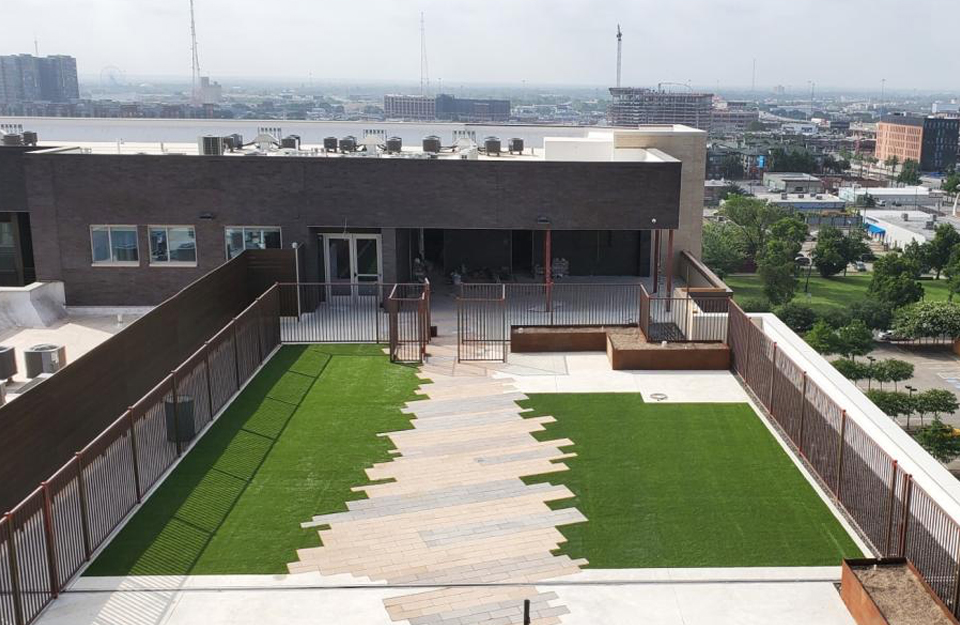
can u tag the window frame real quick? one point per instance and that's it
(168, 262)
(111, 262)
(243, 233)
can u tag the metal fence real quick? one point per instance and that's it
(47, 537)
(408, 311)
(482, 330)
(568, 304)
(895, 515)
(684, 319)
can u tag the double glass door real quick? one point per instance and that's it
(353, 260)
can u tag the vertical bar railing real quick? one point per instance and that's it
(46, 539)
(890, 510)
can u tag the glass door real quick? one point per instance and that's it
(367, 262)
(353, 259)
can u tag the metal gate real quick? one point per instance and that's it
(482, 331)
(408, 308)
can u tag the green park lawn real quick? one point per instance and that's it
(291, 446)
(827, 294)
(683, 485)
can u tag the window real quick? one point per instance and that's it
(241, 238)
(114, 245)
(173, 245)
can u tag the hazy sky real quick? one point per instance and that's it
(840, 43)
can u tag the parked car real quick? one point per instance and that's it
(802, 261)
(860, 265)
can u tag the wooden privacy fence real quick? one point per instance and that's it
(47, 537)
(896, 516)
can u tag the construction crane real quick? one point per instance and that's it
(619, 52)
(196, 57)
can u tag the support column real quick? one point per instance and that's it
(656, 261)
(669, 261)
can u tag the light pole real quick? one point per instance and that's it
(911, 389)
(870, 372)
(296, 270)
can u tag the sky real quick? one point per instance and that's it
(839, 44)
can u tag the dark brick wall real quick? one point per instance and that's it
(68, 192)
(13, 188)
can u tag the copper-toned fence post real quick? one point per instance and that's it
(15, 590)
(893, 501)
(503, 319)
(51, 541)
(840, 446)
(956, 580)
(236, 352)
(176, 413)
(905, 514)
(206, 367)
(803, 413)
(82, 494)
(135, 453)
(773, 381)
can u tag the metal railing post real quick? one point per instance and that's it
(176, 413)
(840, 446)
(236, 351)
(51, 540)
(905, 515)
(773, 379)
(259, 331)
(82, 494)
(134, 451)
(893, 500)
(206, 363)
(803, 413)
(956, 580)
(15, 590)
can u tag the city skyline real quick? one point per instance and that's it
(709, 45)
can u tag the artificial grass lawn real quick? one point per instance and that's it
(291, 446)
(837, 292)
(683, 485)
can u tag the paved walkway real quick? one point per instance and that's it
(451, 508)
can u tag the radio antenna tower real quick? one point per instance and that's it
(424, 70)
(619, 51)
(196, 57)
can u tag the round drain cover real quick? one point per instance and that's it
(658, 396)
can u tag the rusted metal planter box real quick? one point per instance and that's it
(558, 339)
(890, 591)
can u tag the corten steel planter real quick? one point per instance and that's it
(901, 597)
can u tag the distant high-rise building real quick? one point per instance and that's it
(28, 78)
(210, 91)
(930, 141)
(419, 107)
(632, 106)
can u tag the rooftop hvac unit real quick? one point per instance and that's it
(329, 144)
(233, 142)
(930, 225)
(29, 137)
(394, 145)
(431, 143)
(210, 145)
(8, 362)
(12, 139)
(783, 196)
(44, 358)
(290, 142)
(348, 144)
(492, 146)
(905, 216)
(516, 145)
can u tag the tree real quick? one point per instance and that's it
(909, 172)
(918, 255)
(940, 441)
(791, 229)
(794, 159)
(777, 270)
(722, 248)
(893, 403)
(798, 317)
(855, 339)
(941, 246)
(892, 162)
(853, 247)
(928, 320)
(935, 401)
(823, 338)
(851, 369)
(952, 271)
(895, 280)
(895, 370)
(753, 217)
(828, 254)
(876, 314)
(951, 183)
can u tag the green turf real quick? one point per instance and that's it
(837, 292)
(683, 485)
(291, 446)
